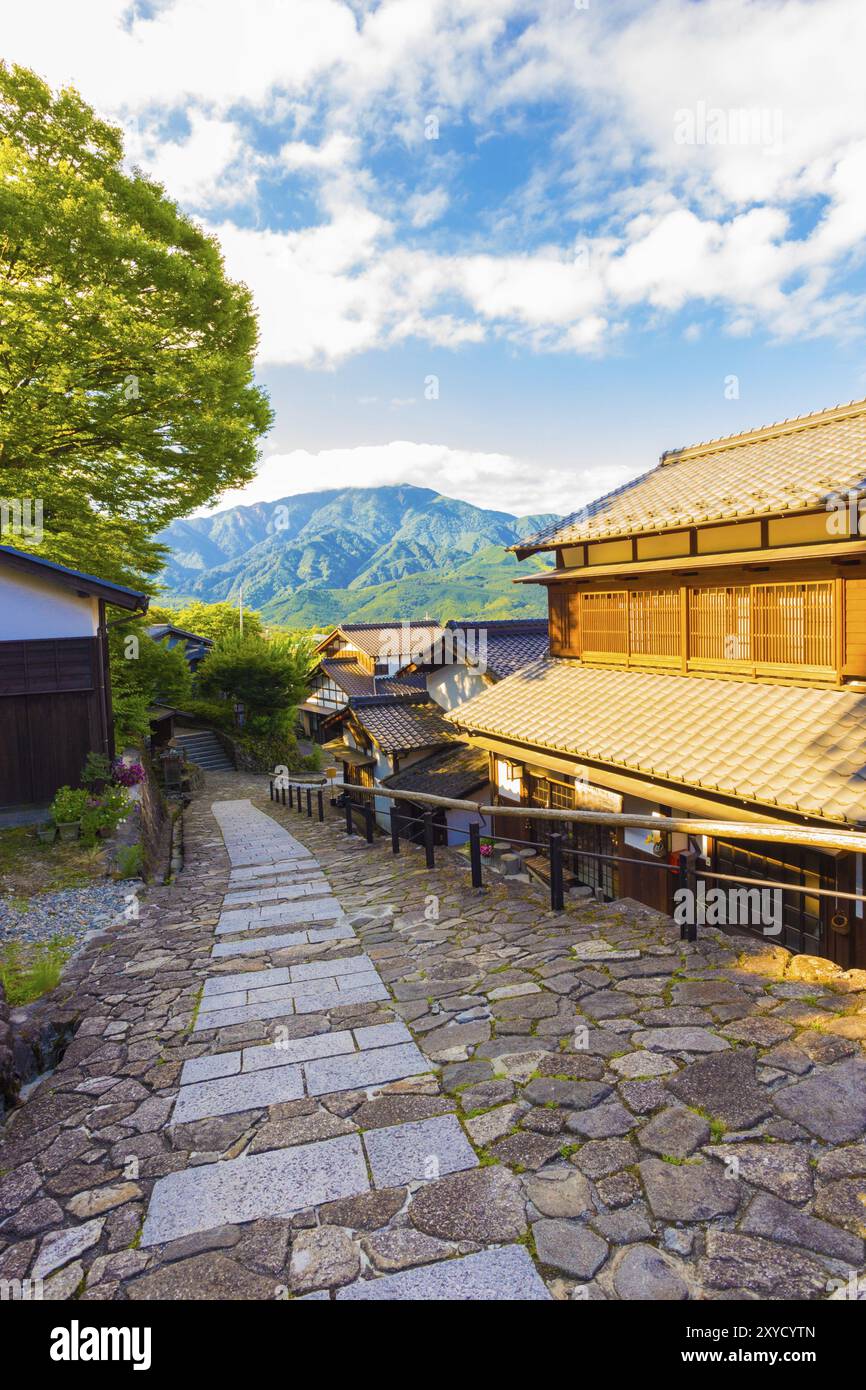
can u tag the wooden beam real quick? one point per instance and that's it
(774, 832)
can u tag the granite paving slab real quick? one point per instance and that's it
(277, 1183)
(426, 1149)
(226, 1095)
(360, 1069)
(492, 1276)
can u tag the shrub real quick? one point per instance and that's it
(68, 805)
(267, 677)
(130, 861)
(96, 770)
(217, 713)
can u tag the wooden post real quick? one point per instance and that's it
(283, 793)
(395, 829)
(350, 829)
(310, 802)
(557, 896)
(688, 879)
(475, 854)
(271, 788)
(369, 821)
(321, 800)
(428, 840)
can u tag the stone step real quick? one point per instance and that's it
(253, 1187)
(492, 1276)
(258, 945)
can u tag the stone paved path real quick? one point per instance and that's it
(311, 1056)
(313, 1070)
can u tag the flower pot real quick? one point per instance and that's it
(46, 834)
(69, 830)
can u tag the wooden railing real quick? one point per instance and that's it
(686, 870)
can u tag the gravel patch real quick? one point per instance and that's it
(69, 912)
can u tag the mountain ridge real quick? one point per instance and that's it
(358, 550)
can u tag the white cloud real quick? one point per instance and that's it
(211, 167)
(497, 482)
(337, 151)
(424, 208)
(728, 223)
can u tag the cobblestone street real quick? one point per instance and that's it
(314, 1069)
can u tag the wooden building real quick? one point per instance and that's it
(55, 695)
(708, 658)
(194, 647)
(361, 660)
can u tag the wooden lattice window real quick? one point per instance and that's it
(604, 622)
(792, 624)
(654, 622)
(768, 624)
(720, 623)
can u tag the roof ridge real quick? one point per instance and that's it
(777, 430)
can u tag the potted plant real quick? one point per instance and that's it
(114, 807)
(100, 818)
(46, 834)
(67, 809)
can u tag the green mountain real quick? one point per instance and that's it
(356, 554)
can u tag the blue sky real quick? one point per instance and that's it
(604, 229)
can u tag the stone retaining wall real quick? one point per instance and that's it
(8, 1083)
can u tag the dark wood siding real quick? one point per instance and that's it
(52, 713)
(44, 667)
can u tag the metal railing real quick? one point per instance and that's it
(685, 870)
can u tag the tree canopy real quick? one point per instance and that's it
(217, 620)
(126, 354)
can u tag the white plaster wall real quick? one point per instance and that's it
(32, 608)
(451, 686)
(461, 820)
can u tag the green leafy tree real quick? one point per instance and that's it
(126, 355)
(143, 672)
(217, 620)
(267, 678)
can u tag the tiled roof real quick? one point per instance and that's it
(396, 638)
(453, 771)
(786, 467)
(779, 746)
(503, 645)
(350, 676)
(508, 652)
(396, 726)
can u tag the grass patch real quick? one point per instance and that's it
(28, 867)
(29, 970)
